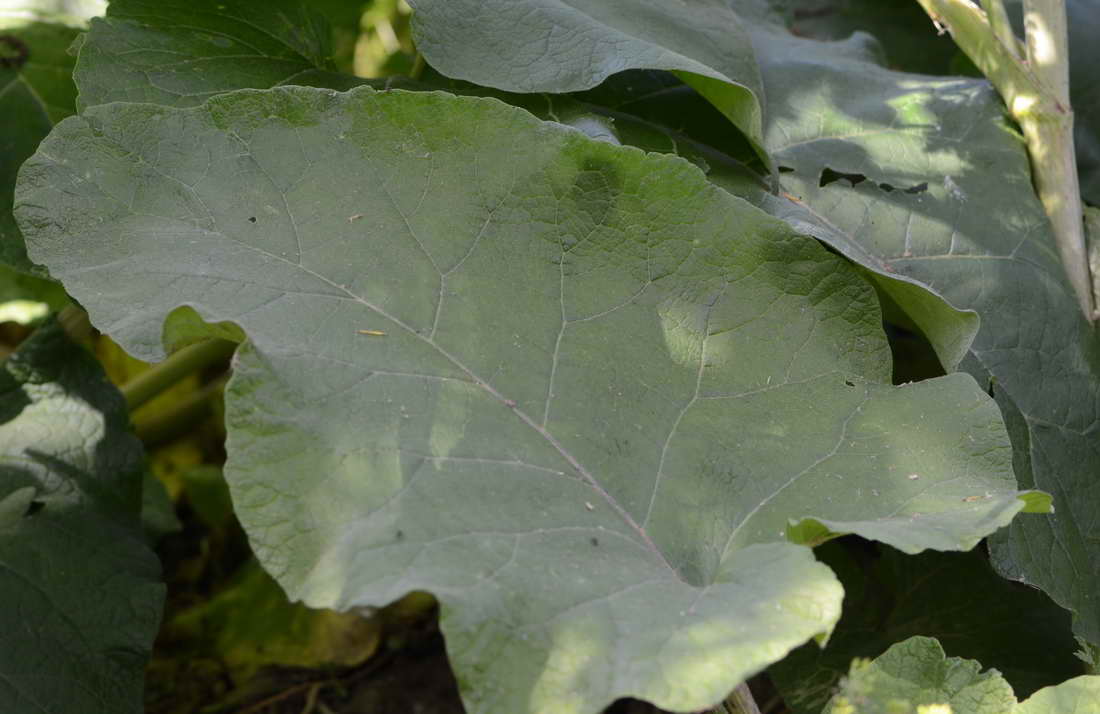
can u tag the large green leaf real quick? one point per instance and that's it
(79, 586)
(604, 389)
(35, 91)
(179, 52)
(916, 677)
(566, 46)
(955, 597)
(651, 110)
(1080, 695)
(924, 177)
(893, 22)
(908, 38)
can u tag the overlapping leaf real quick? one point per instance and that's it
(650, 110)
(179, 52)
(604, 387)
(955, 597)
(36, 90)
(908, 38)
(923, 177)
(79, 585)
(916, 677)
(923, 51)
(565, 46)
(459, 39)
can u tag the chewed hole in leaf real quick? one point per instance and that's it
(829, 176)
(919, 188)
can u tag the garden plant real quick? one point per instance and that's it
(625, 355)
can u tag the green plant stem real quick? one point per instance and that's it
(166, 426)
(740, 701)
(180, 364)
(74, 321)
(418, 66)
(1036, 91)
(1002, 28)
(1048, 45)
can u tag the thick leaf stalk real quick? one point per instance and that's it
(1033, 80)
(180, 364)
(741, 701)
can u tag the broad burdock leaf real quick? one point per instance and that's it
(924, 177)
(33, 95)
(910, 42)
(916, 677)
(565, 46)
(79, 585)
(573, 389)
(908, 38)
(651, 110)
(1080, 695)
(180, 52)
